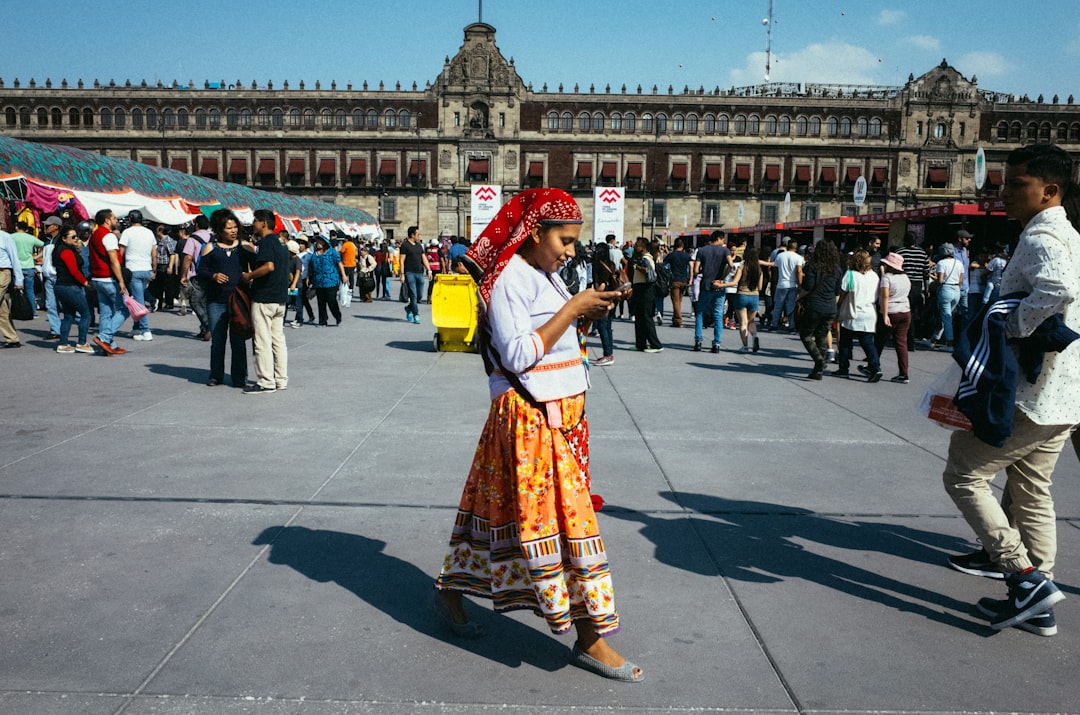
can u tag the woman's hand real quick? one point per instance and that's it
(595, 304)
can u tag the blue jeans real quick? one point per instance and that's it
(948, 298)
(866, 342)
(710, 301)
(73, 301)
(111, 310)
(784, 303)
(219, 333)
(50, 304)
(28, 285)
(603, 326)
(415, 284)
(139, 281)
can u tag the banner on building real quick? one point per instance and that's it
(609, 204)
(486, 202)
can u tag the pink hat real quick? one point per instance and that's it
(893, 260)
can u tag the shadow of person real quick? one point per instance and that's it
(191, 374)
(403, 592)
(758, 542)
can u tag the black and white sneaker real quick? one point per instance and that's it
(1041, 625)
(1030, 594)
(977, 563)
(258, 389)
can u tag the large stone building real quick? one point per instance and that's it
(691, 159)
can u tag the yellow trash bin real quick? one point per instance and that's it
(453, 312)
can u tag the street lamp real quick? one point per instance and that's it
(419, 168)
(164, 154)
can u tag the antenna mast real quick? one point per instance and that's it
(768, 42)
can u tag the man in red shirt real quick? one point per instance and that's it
(106, 254)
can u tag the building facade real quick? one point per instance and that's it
(691, 160)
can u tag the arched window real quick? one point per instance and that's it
(566, 121)
(630, 122)
(800, 126)
(327, 117)
(815, 126)
(182, 118)
(57, 117)
(584, 121)
(784, 127)
(372, 119)
(169, 116)
(597, 122)
(245, 118)
(1044, 132)
(832, 127)
(646, 122)
(1014, 132)
(151, 118)
(753, 125)
(616, 122)
(1002, 130)
(264, 118)
(1063, 132)
(341, 120)
(11, 117)
(277, 117)
(106, 118)
(1032, 130)
(88, 117)
(1074, 132)
(678, 123)
(710, 124)
(722, 124)
(770, 124)
(309, 118)
(404, 119)
(42, 117)
(845, 127)
(120, 118)
(73, 117)
(232, 118)
(215, 117)
(740, 124)
(862, 127)
(358, 119)
(553, 120)
(661, 122)
(200, 118)
(24, 116)
(691, 122)
(875, 127)
(939, 130)
(389, 119)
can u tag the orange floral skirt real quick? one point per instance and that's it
(526, 534)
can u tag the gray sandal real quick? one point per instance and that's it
(624, 672)
(461, 630)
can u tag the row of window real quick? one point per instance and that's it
(234, 118)
(751, 125)
(1043, 132)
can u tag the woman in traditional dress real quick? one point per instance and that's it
(526, 534)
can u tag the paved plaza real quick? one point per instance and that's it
(777, 544)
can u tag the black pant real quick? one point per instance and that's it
(643, 308)
(917, 330)
(328, 296)
(813, 331)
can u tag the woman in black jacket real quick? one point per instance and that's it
(817, 293)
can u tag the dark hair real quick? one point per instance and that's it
(266, 215)
(716, 235)
(1048, 162)
(413, 230)
(751, 269)
(909, 239)
(219, 218)
(826, 258)
(102, 216)
(201, 223)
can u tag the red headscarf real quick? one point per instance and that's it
(492, 251)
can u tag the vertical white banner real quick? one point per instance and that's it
(609, 204)
(486, 202)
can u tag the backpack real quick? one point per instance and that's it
(571, 277)
(240, 314)
(664, 281)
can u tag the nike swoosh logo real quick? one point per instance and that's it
(1022, 604)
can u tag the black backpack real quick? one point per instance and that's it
(570, 277)
(664, 281)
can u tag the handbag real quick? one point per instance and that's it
(403, 294)
(20, 306)
(135, 308)
(344, 295)
(847, 310)
(239, 313)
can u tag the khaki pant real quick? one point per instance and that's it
(1027, 534)
(7, 285)
(271, 354)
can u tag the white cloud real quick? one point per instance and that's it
(924, 42)
(983, 64)
(834, 62)
(891, 17)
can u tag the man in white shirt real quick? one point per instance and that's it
(139, 245)
(1019, 539)
(789, 270)
(11, 279)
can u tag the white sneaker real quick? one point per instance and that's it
(744, 349)
(147, 335)
(138, 336)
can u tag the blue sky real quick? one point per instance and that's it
(1009, 47)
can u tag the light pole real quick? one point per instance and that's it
(164, 153)
(420, 165)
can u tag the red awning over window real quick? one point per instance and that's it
(742, 172)
(712, 172)
(584, 170)
(772, 172)
(633, 170)
(938, 176)
(238, 166)
(853, 174)
(358, 167)
(179, 164)
(879, 176)
(478, 166)
(828, 174)
(802, 174)
(149, 160)
(678, 171)
(296, 166)
(536, 170)
(609, 170)
(327, 167)
(266, 166)
(993, 178)
(388, 167)
(209, 167)
(418, 167)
